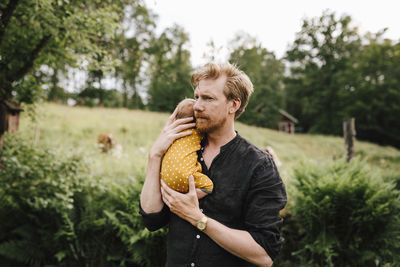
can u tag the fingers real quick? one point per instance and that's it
(182, 134)
(179, 125)
(171, 118)
(167, 191)
(182, 122)
(169, 134)
(176, 129)
(192, 187)
(166, 188)
(165, 195)
(183, 127)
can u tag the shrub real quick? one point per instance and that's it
(53, 212)
(36, 195)
(344, 215)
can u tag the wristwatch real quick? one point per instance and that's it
(202, 224)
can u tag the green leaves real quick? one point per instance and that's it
(266, 73)
(49, 32)
(336, 73)
(53, 212)
(349, 215)
(170, 70)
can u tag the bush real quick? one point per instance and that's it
(53, 212)
(343, 215)
(37, 196)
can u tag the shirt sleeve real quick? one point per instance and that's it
(156, 220)
(266, 197)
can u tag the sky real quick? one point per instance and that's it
(273, 23)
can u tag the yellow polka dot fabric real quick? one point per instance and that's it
(180, 162)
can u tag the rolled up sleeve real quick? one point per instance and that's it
(265, 198)
(156, 220)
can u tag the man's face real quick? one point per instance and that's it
(211, 107)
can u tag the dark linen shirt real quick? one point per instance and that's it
(248, 195)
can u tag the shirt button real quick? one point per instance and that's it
(192, 264)
(198, 236)
(201, 159)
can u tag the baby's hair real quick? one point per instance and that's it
(185, 108)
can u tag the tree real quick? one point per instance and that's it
(35, 33)
(337, 74)
(55, 92)
(92, 96)
(320, 58)
(213, 52)
(131, 51)
(169, 70)
(375, 92)
(266, 72)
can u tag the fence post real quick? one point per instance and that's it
(349, 133)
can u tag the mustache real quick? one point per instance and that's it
(200, 115)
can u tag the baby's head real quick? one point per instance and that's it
(185, 108)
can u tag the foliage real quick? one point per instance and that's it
(37, 194)
(266, 73)
(131, 51)
(336, 74)
(36, 33)
(77, 129)
(99, 97)
(344, 215)
(103, 228)
(169, 70)
(375, 93)
(53, 212)
(318, 85)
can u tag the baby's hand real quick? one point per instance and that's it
(200, 193)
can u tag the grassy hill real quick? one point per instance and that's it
(75, 129)
(333, 211)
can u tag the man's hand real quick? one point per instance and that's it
(237, 242)
(186, 205)
(150, 198)
(171, 131)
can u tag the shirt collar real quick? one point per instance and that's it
(228, 145)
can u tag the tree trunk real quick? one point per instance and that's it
(125, 95)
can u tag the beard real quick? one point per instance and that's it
(207, 125)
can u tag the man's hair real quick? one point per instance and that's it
(238, 84)
(185, 108)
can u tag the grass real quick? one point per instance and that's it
(75, 130)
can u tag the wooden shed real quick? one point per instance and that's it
(287, 122)
(9, 118)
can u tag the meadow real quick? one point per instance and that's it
(75, 130)
(54, 168)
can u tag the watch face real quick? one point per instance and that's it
(201, 225)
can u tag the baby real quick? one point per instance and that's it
(180, 161)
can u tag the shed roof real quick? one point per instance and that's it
(12, 106)
(287, 115)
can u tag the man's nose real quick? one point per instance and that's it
(198, 106)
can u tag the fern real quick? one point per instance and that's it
(349, 215)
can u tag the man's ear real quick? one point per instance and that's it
(235, 105)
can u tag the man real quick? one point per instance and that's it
(238, 224)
